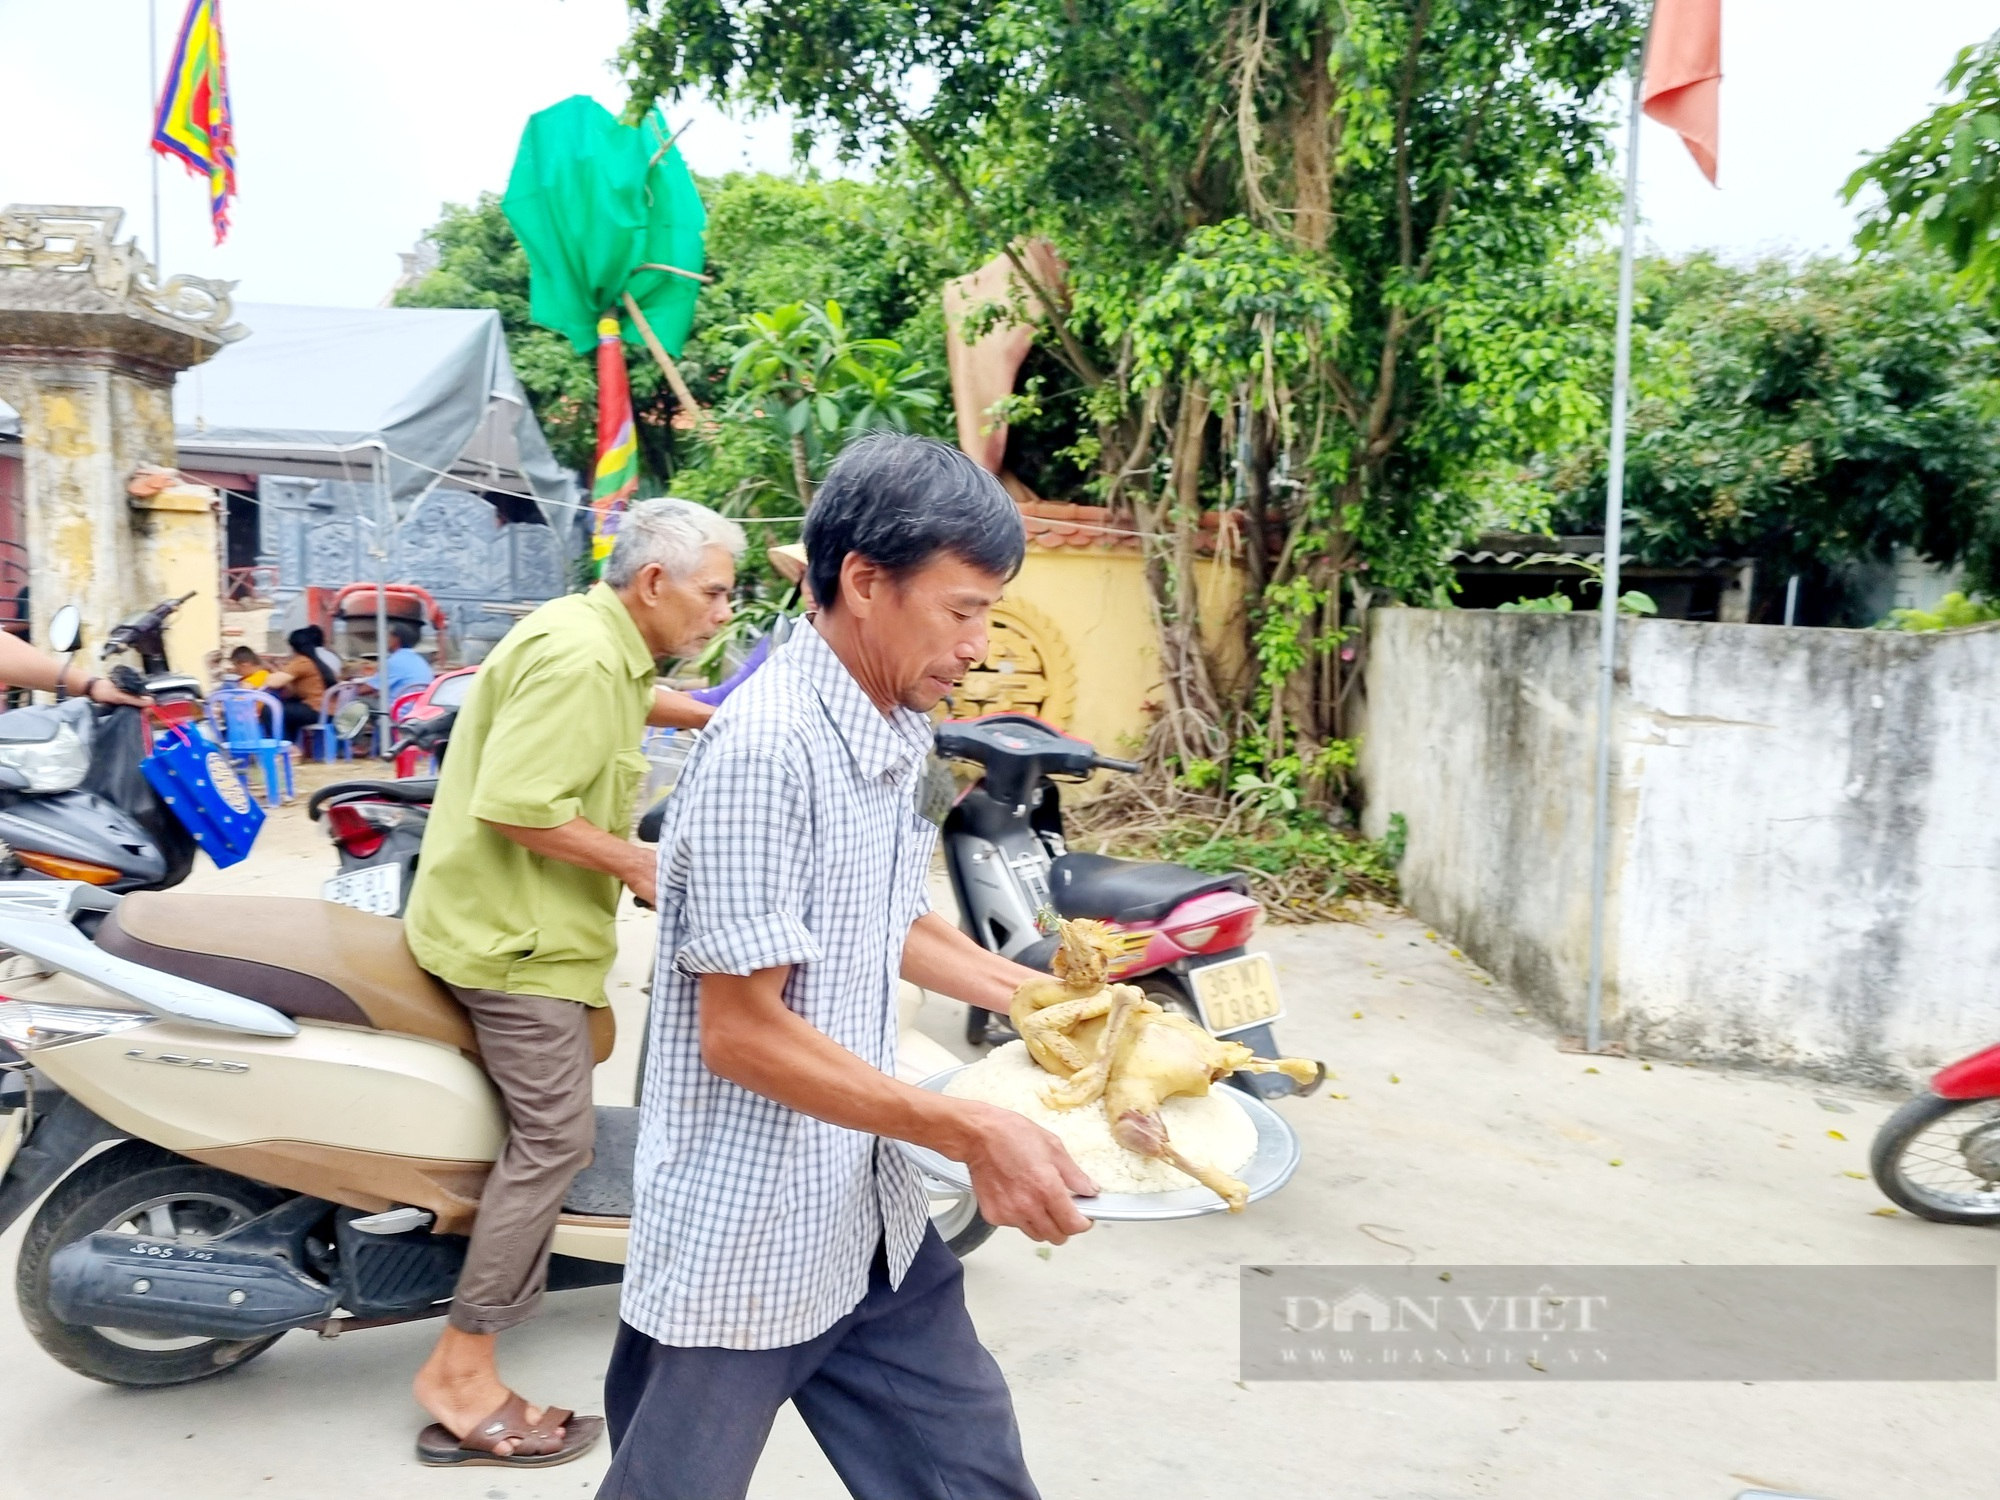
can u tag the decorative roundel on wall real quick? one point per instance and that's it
(1028, 669)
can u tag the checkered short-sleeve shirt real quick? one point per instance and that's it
(792, 839)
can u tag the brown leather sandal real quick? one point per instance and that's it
(535, 1444)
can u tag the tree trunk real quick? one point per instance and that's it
(1257, 500)
(1168, 523)
(1190, 655)
(1315, 133)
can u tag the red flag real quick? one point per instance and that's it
(1684, 74)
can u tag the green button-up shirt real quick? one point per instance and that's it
(549, 733)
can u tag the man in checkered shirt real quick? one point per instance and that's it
(781, 1242)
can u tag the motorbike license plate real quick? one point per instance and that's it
(1236, 993)
(377, 889)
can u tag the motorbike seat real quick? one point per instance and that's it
(1125, 890)
(414, 791)
(310, 960)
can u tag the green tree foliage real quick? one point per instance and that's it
(771, 241)
(802, 378)
(1308, 248)
(481, 264)
(1808, 413)
(1954, 612)
(1941, 177)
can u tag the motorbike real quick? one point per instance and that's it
(1012, 872)
(144, 635)
(1939, 1155)
(73, 804)
(377, 826)
(297, 1136)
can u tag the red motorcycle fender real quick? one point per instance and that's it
(1974, 1077)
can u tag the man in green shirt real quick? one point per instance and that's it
(524, 858)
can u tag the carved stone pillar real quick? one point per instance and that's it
(90, 343)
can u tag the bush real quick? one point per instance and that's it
(1953, 612)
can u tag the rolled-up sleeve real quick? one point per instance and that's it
(550, 739)
(748, 852)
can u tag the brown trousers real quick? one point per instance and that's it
(537, 1051)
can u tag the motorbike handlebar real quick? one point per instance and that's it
(121, 635)
(1106, 763)
(126, 680)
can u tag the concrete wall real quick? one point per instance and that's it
(176, 538)
(451, 543)
(1805, 865)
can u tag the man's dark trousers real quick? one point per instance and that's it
(902, 1397)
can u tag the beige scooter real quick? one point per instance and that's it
(299, 1129)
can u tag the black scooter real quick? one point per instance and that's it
(1013, 874)
(73, 803)
(144, 634)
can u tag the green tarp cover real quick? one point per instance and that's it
(592, 201)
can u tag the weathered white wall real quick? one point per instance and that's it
(1806, 827)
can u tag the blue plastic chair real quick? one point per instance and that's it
(239, 715)
(331, 745)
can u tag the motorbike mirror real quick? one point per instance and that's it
(350, 720)
(65, 629)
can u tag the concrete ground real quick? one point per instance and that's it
(1454, 1133)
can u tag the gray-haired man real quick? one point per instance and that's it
(524, 858)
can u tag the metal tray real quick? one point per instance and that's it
(1277, 1157)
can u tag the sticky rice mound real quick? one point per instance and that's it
(1212, 1128)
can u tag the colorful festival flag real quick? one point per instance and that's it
(193, 122)
(617, 478)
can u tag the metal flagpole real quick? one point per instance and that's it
(1614, 541)
(153, 113)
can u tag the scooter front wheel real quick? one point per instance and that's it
(1940, 1159)
(959, 1223)
(136, 1188)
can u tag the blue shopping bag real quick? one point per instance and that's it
(195, 779)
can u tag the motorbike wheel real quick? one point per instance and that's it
(136, 1188)
(1167, 992)
(960, 1224)
(1929, 1155)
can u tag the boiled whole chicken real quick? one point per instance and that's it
(1108, 1041)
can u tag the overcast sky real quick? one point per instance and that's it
(356, 119)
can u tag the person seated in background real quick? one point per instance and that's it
(407, 670)
(248, 667)
(331, 667)
(301, 682)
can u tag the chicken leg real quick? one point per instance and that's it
(1086, 1085)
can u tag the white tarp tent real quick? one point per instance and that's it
(401, 397)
